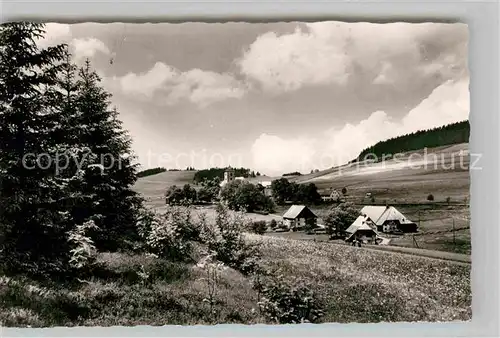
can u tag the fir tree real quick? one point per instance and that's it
(33, 232)
(112, 174)
(73, 158)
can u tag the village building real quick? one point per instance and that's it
(358, 222)
(360, 230)
(334, 196)
(298, 216)
(228, 177)
(267, 187)
(387, 219)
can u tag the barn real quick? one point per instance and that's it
(298, 216)
(334, 196)
(360, 230)
(387, 219)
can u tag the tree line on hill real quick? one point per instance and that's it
(209, 174)
(446, 135)
(285, 191)
(66, 169)
(152, 171)
(157, 170)
(295, 173)
(244, 195)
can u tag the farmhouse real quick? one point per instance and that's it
(334, 196)
(298, 216)
(358, 222)
(361, 231)
(387, 219)
(267, 187)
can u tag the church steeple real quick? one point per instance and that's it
(228, 174)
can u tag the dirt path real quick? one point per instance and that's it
(457, 258)
(432, 254)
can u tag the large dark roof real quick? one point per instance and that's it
(298, 210)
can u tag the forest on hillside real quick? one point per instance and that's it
(152, 171)
(446, 135)
(209, 174)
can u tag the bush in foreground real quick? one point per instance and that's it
(225, 239)
(258, 227)
(287, 302)
(170, 234)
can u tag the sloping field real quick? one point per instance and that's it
(153, 187)
(369, 285)
(411, 177)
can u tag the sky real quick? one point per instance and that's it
(273, 97)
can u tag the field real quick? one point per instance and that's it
(153, 187)
(405, 183)
(353, 284)
(443, 172)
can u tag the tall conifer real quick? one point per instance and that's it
(113, 172)
(32, 236)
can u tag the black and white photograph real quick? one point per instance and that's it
(248, 173)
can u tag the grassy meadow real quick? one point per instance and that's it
(353, 284)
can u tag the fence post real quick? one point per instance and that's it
(415, 241)
(418, 217)
(454, 241)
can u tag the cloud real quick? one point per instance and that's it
(169, 85)
(275, 154)
(88, 47)
(448, 103)
(290, 61)
(334, 53)
(145, 84)
(54, 34)
(386, 74)
(81, 48)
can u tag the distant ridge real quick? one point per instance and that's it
(150, 172)
(442, 136)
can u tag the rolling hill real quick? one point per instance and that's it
(450, 134)
(153, 187)
(441, 171)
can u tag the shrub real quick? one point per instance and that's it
(344, 190)
(83, 252)
(186, 195)
(259, 227)
(213, 270)
(170, 234)
(273, 224)
(430, 197)
(286, 302)
(225, 239)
